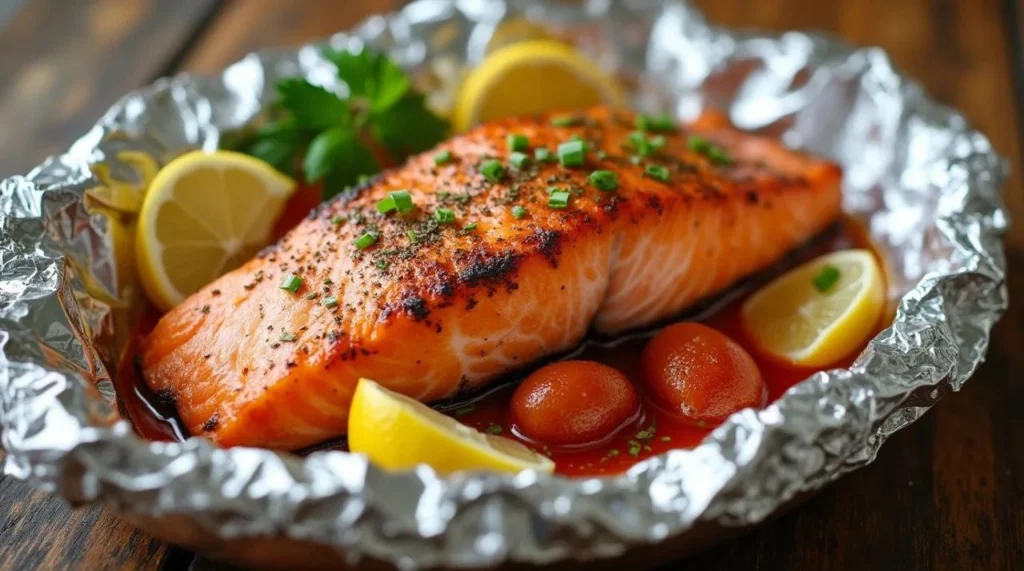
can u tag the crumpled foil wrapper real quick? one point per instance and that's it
(926, 185)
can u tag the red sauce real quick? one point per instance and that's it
(490, 411)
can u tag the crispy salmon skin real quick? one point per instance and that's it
(430, 306)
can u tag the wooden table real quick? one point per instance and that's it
(945, 493)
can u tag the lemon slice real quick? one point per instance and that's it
(203, 215)
(819, 312)
(532, 77)
(396, 432)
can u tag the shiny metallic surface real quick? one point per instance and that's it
(926, 185)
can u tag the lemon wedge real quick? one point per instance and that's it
(203, 215)
(396, 432)
(819, 312)
(532, 76)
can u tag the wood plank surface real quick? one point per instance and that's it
(943, 494)
(64, 63)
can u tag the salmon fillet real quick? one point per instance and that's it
(432, 309)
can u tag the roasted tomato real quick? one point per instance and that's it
(700, 374)
(573, 404)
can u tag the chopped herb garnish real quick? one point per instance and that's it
(701, 145)
(517, 142)
(442, 157)
(719, 156)
(518, 212)
(666, 439)
(402, 200)
(444, 216)
(519, 160)
(469, 227)
(646, 434)
(657, 172)
(636, 160)
(464, 410)
(288, 337)
(330, 301)
(311, 295)
(366, 240)
(412, 235)
(381, 264)
(492, 170)
(605, 181)
(544, 155)
(495, 428)
(559, 199)
(827, 277)
(634, 448)
(566, 121)
(291, 283)
(698, 144)
(613, 452)
(662, 122)
(657, 143)
(570, 154)
(386, 204)
(337, 220)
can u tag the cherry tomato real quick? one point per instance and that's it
(573, 403)
(695, 371)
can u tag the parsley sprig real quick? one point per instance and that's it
(330, 137)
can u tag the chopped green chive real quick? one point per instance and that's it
(518, 212)
(566, 121)
(657, 143)
(701, 145)
(719, 156)
(337, 220)
(517, 142)
(444, 216)
(469, 227)
(698, 144)
(634, 448)
(495, 428)
(291, 283)
(606, 181)
(311, 295)
(543, 155)
(580, 138)
(464, 410)
(636, 160)
(329, 302)
(559, 199)
(601, 155)
(288, 337)
(657, 172)
(826, 278)
(386, 204)
(570, 154)
(402, 200)
(442, 157)
(663, 122)
(412, 235)
(492, 170)
(519, 160)
(366, 240)
(382, 264)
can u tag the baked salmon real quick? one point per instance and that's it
(494, 267)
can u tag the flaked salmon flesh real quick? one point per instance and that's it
(432, 309)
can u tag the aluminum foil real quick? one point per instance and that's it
(925, 183)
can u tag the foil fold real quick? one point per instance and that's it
(926, 185)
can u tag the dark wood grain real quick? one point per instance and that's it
(64, 63)
(943, 494)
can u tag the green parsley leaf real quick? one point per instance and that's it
(311, 106)
(370, 75)
(408, 127)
